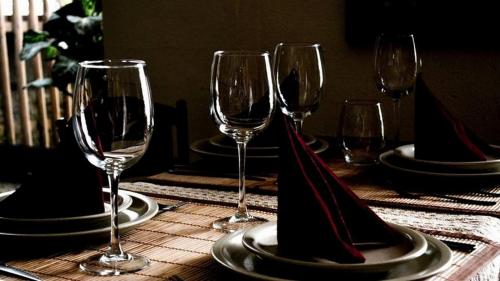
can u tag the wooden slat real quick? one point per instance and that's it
(21, 76)
(38, 73)
(10, 129)
(68, 107)
(54, 92)
(46, 11)
(55, 103)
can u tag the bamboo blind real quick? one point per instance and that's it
(27, 110)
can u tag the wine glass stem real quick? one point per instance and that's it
(242, 207)
(298, 123)
(397, 120)
(115, 247)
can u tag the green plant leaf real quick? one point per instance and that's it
(39, 83)
(31, 49)
(51, 53)
(89, 7)
(64, 72)
(86, 25)
(32, 36)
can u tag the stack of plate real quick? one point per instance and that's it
(220, 146)
(402, 159)
(253, 253)
(133, 208)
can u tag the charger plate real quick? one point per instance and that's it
(231, 254)
(262, 241)
(141, 209)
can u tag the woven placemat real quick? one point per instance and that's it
(179, 243)
(369, 184)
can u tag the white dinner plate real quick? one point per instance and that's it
(393, 162)
(407, 152)
(141, 209)
(262, 241)
(231, 254)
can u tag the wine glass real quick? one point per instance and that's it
(299, 75)
(395, 70)
(113, 122)
(242, 105)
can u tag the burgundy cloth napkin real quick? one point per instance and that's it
(318, 214)
(439, 135)
(62, 184)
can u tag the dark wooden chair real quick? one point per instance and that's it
(169, 145)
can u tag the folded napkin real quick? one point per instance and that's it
(318, 214)
(440, 136)
(62, 184)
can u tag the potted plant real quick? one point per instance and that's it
(72, 34)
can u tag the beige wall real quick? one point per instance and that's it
(178, 37)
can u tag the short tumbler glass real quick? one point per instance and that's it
(361, 131)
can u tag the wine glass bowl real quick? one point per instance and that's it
(113, 122)
(299, 74)
(242, 103)
(395, 69)
(361, 131)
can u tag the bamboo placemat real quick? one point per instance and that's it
(179, 243)
(369, 184)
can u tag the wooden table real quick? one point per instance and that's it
(179, 242)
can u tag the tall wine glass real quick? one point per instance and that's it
(242, 105)
(113, 122)
(299, 73)
(395, 70)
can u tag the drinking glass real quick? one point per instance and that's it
(242, 104)
(361, 131)
(299, 75)
(113, 122)
(395, 70)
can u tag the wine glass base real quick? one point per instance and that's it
(105, 265)
(233, 223)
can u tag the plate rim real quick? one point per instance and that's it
(443, 264)
(383, 160)
(217, 248)
(127, 201)
(399, 153)
(419, 249)
(195, 146)
(212, 141)
(446, 261)
(125, 226)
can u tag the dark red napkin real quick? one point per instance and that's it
(62, 184)
(439, 135)
(318, 214)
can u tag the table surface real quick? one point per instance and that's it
(179, 242)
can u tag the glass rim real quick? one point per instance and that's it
(248, 53)
(112, 63)
(362, 101)
(299, 44)
(395, 34)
